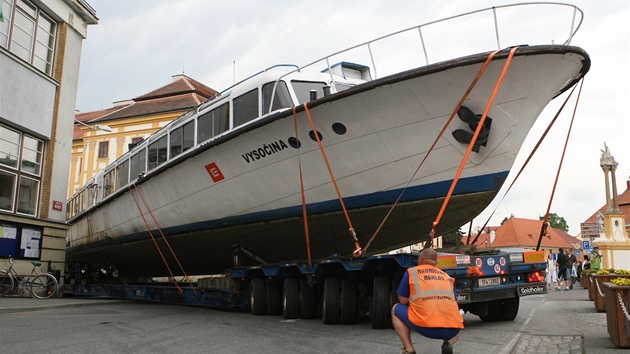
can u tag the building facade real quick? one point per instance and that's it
(40, 51)
(100, 137)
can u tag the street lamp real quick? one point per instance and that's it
(102, 127)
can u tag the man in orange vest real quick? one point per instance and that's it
(427, 305)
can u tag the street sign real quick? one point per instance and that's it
(590, 229)
(586, 245)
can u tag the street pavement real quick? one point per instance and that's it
(562, 322)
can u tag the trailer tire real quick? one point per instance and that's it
(258, 297)
(380, 313)
(331, 310)
(348, 301)
(307, 300)
(274, 298)
(510, 309)
(291, 299)
(495, 309)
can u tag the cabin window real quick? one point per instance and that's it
(182, 138)
(245, 107)
(157, 153)
(303, 89)
(138, 164)
(103, 149)
(108, 179)
(213, 123)
(281, 99)
(122, 175)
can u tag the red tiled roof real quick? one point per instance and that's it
(516, 232)
(90, 116)
(155, 106)
(180, 95)
(181, 84)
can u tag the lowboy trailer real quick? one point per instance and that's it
(489, 283)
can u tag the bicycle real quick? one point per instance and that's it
(42, 285)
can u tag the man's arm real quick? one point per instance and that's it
(403, 300)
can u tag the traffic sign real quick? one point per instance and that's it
(590, 229)
(586, 245)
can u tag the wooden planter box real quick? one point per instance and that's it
(591, 287)
(584, 280)
(598, 291)
(618, 322)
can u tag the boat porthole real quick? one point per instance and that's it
(312, 135)
(339, 128)
(295, 143)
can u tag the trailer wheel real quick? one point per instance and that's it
(495, 309)
(510, 309)
(291, 299)
(274, 298)
(331, 310)
(380, 313)
(307, 300)
(348, 301)
(258, 297)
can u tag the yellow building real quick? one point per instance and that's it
(100, 137)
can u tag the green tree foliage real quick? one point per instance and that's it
(453, 238)
(558, 222)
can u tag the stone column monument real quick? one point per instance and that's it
(613, 243)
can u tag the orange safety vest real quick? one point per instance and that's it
(431, 298)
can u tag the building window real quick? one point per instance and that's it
(19, 182)
(103, 149)
(28, 33)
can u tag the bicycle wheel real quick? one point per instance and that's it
(6, 282)
(44, 286)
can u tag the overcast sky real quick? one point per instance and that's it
(138, 45)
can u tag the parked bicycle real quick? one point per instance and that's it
(41, 285)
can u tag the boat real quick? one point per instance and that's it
(325, 159)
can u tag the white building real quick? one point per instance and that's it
(40, 51)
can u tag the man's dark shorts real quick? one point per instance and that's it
(402, 312)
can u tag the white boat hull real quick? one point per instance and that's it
(390, 124)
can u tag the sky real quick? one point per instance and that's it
(138, 45)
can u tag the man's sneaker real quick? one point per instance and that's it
(447, 348)
(558, 288)
(404, 351)
(566, 289)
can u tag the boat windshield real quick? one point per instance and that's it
(302, 89)
(281, 98)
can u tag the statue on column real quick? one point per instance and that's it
(607, 159)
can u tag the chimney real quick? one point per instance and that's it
(492, 235)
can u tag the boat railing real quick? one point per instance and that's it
(457, 36)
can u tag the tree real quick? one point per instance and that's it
(453, 238)
(558, 222)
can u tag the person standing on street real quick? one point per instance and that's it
(565, 271)
(572, 267)
(596, 259)
(551, 275)
(427, 305)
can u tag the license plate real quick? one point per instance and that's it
(490, 281)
